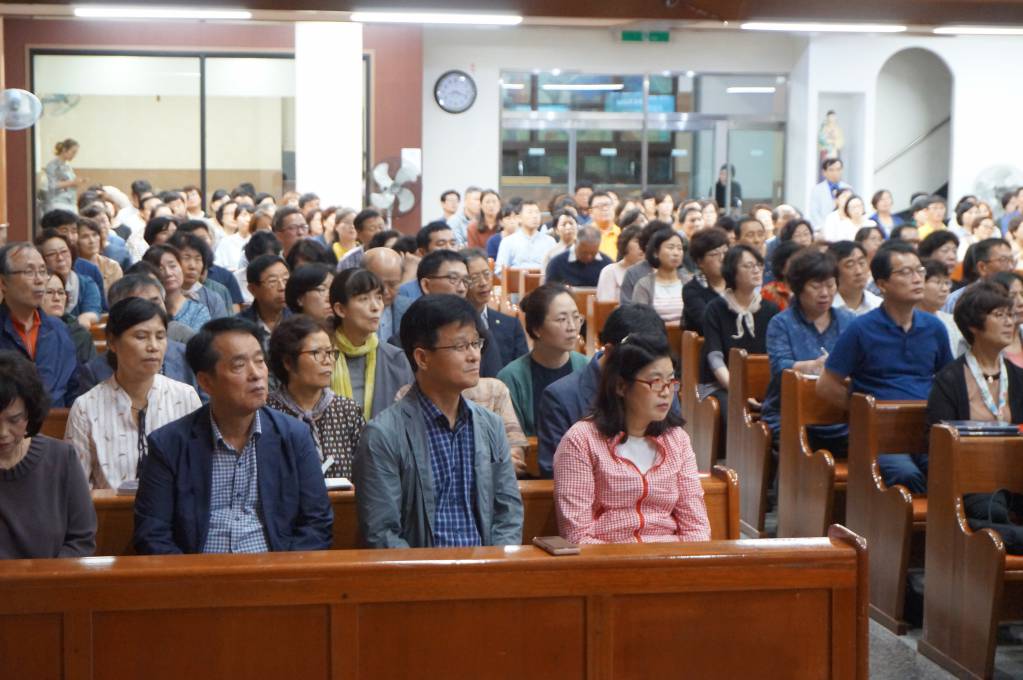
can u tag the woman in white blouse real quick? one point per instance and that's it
(609, 285)
(108, 425)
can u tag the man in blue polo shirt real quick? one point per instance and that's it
(891, 353)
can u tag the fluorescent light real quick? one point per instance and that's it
(436, 18)
(751, 89)
(813, 27)
(584, 87)
(159, 13)
(513, 86)
(979, 30)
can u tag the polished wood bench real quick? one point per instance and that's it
(55, 424)
(116, 517)
(748, 441)
(970, 582)
(808, 480)
(890, 518)
(787, 609)
(703, 417)
(597, 313)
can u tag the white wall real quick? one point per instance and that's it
(464, 149)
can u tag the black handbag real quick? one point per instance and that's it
(1001, 511)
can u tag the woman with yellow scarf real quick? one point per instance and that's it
(367, 370)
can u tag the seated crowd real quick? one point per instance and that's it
(229, 363)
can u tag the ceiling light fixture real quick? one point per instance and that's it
(513, 86)
(751, 89)
(584, 87)
(814, 27)
(979, 30)
(436, 18)
(160, 13)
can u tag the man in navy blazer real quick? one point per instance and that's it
(234, 475)
(506, 333)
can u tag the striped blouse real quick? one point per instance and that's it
(104, 433)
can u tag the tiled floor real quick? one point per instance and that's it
(895, 658)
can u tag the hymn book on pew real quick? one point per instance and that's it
(983, 428)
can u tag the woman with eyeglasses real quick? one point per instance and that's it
(55, 305)
(627, 472)
(85, 301)
(367, 370)
(302, 359)
(1012, 283)
(553, 322)
(109, 424)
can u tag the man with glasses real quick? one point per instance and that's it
(26, 329)
(289, 227)
(434, 236)
(459, 489)
(268, 277)
(602, 217)
(990, 256)
(506, 334)
(891, 353)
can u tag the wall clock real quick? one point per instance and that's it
(455, 91)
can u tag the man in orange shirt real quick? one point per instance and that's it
(602, 214)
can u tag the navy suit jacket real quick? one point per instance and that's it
(507, 334)
(172, 508)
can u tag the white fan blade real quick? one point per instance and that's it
(381, 201)
(406, 200)
(381, 175)
(407, 174)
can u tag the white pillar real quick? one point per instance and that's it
(328, 111)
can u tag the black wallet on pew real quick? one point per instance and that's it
(983, 428)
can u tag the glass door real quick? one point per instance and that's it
(757, 154)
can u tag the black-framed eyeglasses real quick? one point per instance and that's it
(454, 279)
(463, 347)
(319, 355)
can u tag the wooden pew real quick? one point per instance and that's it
(971, 583)
(529, 280)
(56, 423)
(890, 518)
(596, 316)
(720, 488)
(703, 417)
(748, 441)
(808, 480)
(789, 609)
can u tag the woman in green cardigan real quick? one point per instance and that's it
(553, 322)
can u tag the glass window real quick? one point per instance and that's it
(534, 164)
(759, 160)
(741, 95)
(132, 117)
(250, 123)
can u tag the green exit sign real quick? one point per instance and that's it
(632, 36)
(651, 36)
(658, 36)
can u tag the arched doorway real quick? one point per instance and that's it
(913, 125)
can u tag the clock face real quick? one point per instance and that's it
(455, 91)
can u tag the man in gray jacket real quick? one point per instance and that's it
(435, 469)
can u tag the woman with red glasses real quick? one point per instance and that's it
(627, 473)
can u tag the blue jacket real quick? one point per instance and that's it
(410, 290)
(507, 334)
(225, 278)
(86, 268)
(172, 508)
(56, 359)
(117, 250)
(174, 367)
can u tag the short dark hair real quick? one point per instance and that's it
(624, 362)
(897, 231)
(311, 251)
(129, 312)
(58, 218)
(706, 240)
(20, 378)
(810, 265)
(649, 229)
(363, 216)
(381, 238)
(781, 256)
(974, 305)
(934, 268)
(631, 318)
(154, 254)
(863, 233)
(51, 233)
(404, 244)
(745, 219)
(156, 226)
(223, 206)
(843, 249)
(1006, 279)
(789, 230)
(878, 195)
(140, 187)
(447, 193)
(192, 226)
(982, 249)
(308, 197)
(429, 314)
(658, 239)
(286, 342)
(730, 267)
(90, 224)
(583, 184)
(350, 283)
(256, 268)
(281, 214)
(304, 279)
(881, 265)
(536, 305)
(424, 234)
(935, 240)
(261, 243)
(432, 262)
(828, 162)
(629, 234)
(182, 240)
(199, 352)
(170, 196)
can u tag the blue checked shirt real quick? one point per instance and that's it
(236, 524)
(454, 480)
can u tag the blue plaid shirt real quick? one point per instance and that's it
(236, 524)
(452, 454)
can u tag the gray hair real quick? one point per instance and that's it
(588, 235)
(129, 285)
(9, 251)
(475, 254)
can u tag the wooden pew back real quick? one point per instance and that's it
(720, 488)
(796, 610)
(971, 583)
(748, 441)
(806, 481)
(888, 517)
(596, 316)
(56, 423)
(703, 417)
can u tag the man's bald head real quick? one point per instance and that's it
(386, 263)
